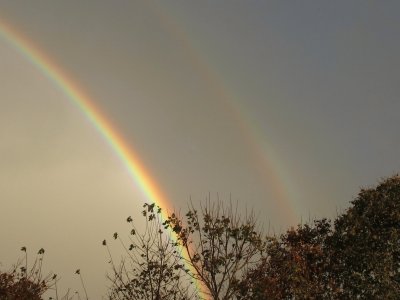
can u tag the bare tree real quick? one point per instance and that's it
(152, 268)
(220, 246)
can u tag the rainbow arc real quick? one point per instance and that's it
(138, 172)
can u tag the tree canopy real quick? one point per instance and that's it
(358, 257)
(354, 256)
(365, 245)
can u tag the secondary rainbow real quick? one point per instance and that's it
(140, 175)
(271, 167)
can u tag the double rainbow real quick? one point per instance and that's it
(138, 172)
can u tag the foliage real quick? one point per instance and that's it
(29, 283)
(22, 283)
(153, 267)
(295, 266)
(220, 246)
(359, 258)
(366, 244)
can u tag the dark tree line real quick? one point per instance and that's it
(354, 256)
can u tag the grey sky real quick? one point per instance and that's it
(227, 97)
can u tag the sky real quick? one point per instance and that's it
(287, 108)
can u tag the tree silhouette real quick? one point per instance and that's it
(220, 246)
(357, 258)
(153, 268)
(366, 244)
(27, 283)
(295, 266)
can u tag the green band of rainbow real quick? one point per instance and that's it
(78, 97)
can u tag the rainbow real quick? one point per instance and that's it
(79, 98)
(140, 175)
(269, 164)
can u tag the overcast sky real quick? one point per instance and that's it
(286, 107)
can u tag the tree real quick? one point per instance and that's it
(295, 266)
(24, 283)
(359, 258)
(220, 246)
(366, 244)
(153, 268)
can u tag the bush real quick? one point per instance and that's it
(19, 283)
